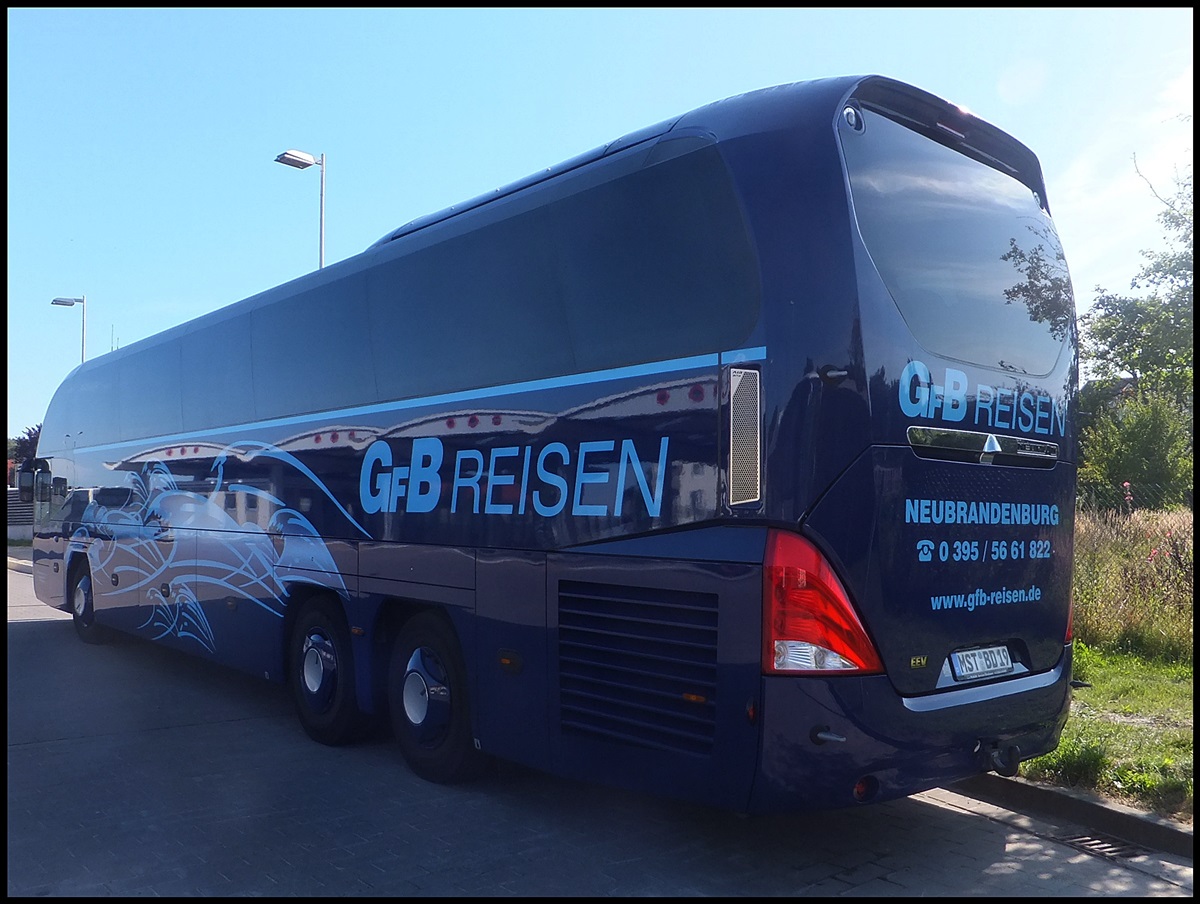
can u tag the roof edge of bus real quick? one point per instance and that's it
(1026, 163)
(629, 140)
(626, 141)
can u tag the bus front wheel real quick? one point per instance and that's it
(321, 674)
(427, 690)
(83, 610)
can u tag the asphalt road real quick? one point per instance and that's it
(134, 770)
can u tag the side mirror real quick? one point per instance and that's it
(25, 486)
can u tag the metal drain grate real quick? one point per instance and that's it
(1102, 845)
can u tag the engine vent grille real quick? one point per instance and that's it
(638, 665)
(745, 478)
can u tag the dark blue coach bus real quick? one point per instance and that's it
(733, 461)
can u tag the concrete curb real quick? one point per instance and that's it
(1145, 830)
(22, 565)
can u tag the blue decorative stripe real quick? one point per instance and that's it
(742, 355)
(736, 356)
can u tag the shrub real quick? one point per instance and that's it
(1138, 455)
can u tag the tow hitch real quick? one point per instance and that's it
(1005, 761)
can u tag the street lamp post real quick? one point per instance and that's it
(303, 160)
(82, 302)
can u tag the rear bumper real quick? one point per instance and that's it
(898, 745)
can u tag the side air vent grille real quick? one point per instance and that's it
(745, 477)
(638, 665)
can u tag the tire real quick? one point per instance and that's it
(83, 610)
(321, 674)
(428, 700)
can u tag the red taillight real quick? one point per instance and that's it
(809, 623)
(1070, 617)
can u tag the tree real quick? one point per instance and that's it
(25, 445)
(1149, 338)
(1137, 417)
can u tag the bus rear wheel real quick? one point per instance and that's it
(83, 610)
(430, 712)
(321, 674)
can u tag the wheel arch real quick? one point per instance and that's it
(76, 561)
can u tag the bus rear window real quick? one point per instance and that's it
(967, 253)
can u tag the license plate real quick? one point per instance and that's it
(984, 662)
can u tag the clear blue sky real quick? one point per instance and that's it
(141, 143)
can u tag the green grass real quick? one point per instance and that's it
(1129, 735)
